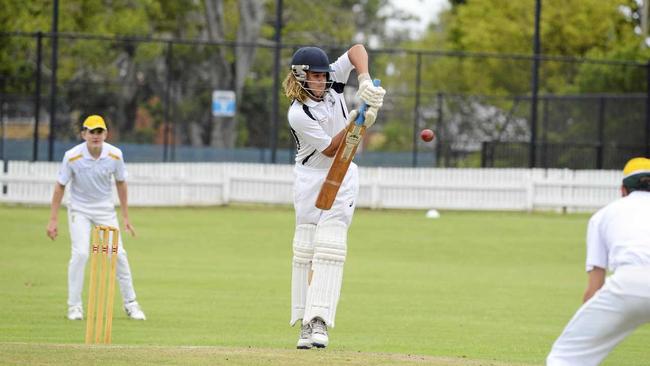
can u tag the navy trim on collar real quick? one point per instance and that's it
(308, 112)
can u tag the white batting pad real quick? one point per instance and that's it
(330, 248)
(303, 251)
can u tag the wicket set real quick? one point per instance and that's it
(100, 304)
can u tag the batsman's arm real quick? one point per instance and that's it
(359, 58)
(330, 150)
(344, 155)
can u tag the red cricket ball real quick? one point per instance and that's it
(427, 135)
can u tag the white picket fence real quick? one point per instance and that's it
(200, 184)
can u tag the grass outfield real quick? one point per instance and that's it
(466, 289)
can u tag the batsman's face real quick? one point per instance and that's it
(317, 82)
(94, 138)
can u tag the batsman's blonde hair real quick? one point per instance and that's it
(293, 90)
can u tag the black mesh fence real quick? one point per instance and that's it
(157, 97)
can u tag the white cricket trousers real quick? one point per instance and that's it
(320, 243)
(308, 182)
(619, 307)
(81, 224)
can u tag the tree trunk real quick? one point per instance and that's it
(226, 75)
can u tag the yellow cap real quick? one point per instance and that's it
(636, 173)
(94, 122)
(636, 166)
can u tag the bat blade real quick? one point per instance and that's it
(342, 159)
(344, 155)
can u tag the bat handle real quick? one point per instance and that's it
(362, 110)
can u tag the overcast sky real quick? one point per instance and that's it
(426, 10)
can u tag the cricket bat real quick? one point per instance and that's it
(342, 159)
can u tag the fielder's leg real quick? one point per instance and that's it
(597, 327)
(330, 249)
(124, 277)
(80, 227)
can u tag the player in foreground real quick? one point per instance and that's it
(318, 116)
(618, 239)
(88, 167)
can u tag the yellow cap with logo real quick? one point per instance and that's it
(94, 122)
(634, 170)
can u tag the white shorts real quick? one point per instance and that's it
(307, 184)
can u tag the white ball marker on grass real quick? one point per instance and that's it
(432, 214)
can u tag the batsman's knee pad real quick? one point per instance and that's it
(303, 252)
(330, 250)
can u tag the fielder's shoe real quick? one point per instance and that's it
(304, 341)
(319, 338)
(75, 312)
(133, 311)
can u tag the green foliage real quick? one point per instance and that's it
(507, 27)
(118, 78)
(395, 136)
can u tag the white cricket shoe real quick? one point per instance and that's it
(319, 338)
(304, 341)
(133, 311)
(75, 312)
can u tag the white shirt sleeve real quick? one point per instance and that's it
(596, 245)
(309, 130)
(342, 68)
(65, 172)
(120, 168)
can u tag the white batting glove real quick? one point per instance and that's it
(371, 116)
(353, 116)
(370, 94)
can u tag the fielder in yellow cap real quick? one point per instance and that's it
(94, 122)
(618, 241)
(90, 169)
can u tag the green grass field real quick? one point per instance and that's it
(466, 289)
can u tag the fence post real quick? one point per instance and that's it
(416, 111)
(276, 80)
(2, 121)
(5, 161)
(647, 110)
(484, 147)
(168, 85)
(601, 133)
(37, 93)
(529, 185)
(545, 132)
(55, 50)
(439, 132)
(534, 86)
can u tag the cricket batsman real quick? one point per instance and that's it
(318, 117)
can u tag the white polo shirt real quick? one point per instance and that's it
(619, 233)
(90, 178)
(313, 124)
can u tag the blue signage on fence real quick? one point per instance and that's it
(223, 103)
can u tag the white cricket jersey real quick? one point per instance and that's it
(91, 179)
(313, 124)
(619, 233)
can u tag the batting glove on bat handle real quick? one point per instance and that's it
(352, 117)
(370, 116)
(371, 94)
